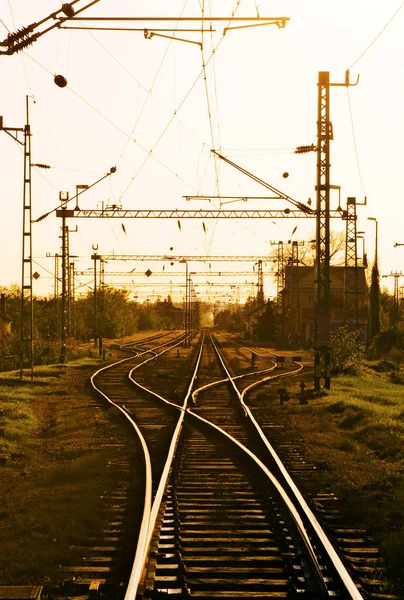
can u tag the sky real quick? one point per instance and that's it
(154, 109)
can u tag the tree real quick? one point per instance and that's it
(230, 321)
(307, 251)
(267, 324)
(374, 296)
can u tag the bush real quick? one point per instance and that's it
(346, 349)
(385, 341)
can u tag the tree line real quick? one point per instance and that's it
(117, 316)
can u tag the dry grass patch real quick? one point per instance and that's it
(52, 485)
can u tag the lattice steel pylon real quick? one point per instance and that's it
(64, 316)
(27, 315)
(260, 285)
(322, 310)
(351, 291)
(294, 303)
(27, 306)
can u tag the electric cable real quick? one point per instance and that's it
(115, 126)
(148, 91)
(153, 83)
(378, 35)
(187, 94)
(208, 101)
(354, 142)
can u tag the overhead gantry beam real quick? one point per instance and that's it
(175, 273)
(120, 213)
(173, 258)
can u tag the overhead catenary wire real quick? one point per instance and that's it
(378, 35)
(115, 126)
(208, 103)
(181, 104)
(153, 83)
(354, 142)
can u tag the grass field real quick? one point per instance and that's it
(355, 435)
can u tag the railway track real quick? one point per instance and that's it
(166, 517)
(215, 521)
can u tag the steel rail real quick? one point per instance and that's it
(140, 549)
(148, 466)
(221, 381)
(283, 494)
(140, 561)
(332, 554)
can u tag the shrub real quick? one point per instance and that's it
(385, 341)
(346, 349)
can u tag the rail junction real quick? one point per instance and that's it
(219, 514)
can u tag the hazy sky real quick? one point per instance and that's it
(149, 108)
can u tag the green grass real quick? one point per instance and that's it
(354, 435)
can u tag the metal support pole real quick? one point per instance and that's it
(72, 296)
(351, 288)
(322, 312)
(56, 278)
(186, 306)
(27, 312)
(260, 285)
(101, 311)
(95, 324)
(65, 263)
(322, 320)
(295, 292)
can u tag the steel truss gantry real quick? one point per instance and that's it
(179, 258)
(177, 284)
(221, 274)
(121, 213)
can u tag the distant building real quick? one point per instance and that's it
(5, 320)
(299, 296)
(251, 318)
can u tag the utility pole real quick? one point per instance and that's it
(322, 310)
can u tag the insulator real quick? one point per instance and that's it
(60, 81)
(68, 10)
(20, 33)
(304, 149)
(40, 166)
